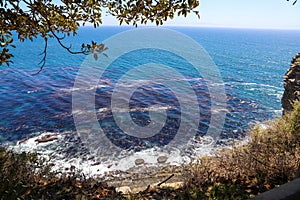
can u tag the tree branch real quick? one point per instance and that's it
(165, 180)
(65, 47)
(43, 61)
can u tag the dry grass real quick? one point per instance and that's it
(271, 158)
(26, 176)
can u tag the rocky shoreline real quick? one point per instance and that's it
(67, 146)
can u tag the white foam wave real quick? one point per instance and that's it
(256, 84)
(90, 165)
(134, 83)
(145, 109)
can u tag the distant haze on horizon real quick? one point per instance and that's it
(279, 14)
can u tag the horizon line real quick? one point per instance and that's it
(196, 26)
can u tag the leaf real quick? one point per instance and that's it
(95, 56)
(191, 2)
(101, 46)
(10, 40)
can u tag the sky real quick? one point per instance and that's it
(279, 14)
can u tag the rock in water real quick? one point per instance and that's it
(162, 159)
(139, 161)
(47, 138)
(291, 85)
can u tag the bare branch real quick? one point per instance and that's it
(165, 180)
(43, 61)
(59, 40)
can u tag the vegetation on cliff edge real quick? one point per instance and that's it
(269, 159)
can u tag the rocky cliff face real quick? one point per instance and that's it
(291, 85)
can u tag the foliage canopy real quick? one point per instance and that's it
(29, 19)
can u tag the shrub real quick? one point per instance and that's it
(270, 158)
(27, 176)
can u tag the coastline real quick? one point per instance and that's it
(242, 172)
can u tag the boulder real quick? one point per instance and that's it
(162, 159)
(124, 189)
(139, 161)
(47, 138)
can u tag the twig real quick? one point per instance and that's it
(165, 180)
(64, 46)
(43, 61)
(146, 190)
(294, 2)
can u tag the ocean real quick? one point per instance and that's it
(250, 62)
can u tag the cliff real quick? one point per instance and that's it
(291, 85)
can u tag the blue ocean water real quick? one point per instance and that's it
(251, 63)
